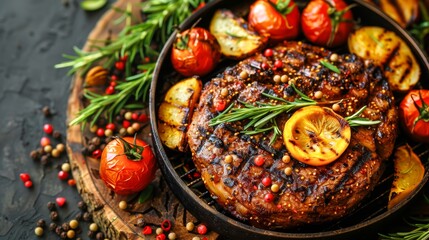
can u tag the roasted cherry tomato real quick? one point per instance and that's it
(414, 114)
(327, 22)
(127, 165)
(195, 52)
(278, 18)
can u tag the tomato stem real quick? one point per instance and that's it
(282, 7)
(132, 151)
(336, 18)
(423, 110)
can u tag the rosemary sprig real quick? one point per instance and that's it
(262, 116)
(330, 66)
(355, 121)
(420, 229)
(135, 87)
(136, 42)
(162, 16)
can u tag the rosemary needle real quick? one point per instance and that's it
(137, 41)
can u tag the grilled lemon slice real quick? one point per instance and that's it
(409, 172)
(316, 136)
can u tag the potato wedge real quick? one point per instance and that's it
(405, 13)
(388, 51)
(235, 39)
(175, 112)
(409, 172)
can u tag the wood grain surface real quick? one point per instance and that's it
(102, 202)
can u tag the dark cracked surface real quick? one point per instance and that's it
(33, 37)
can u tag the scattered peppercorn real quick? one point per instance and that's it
(87, 216)
(65, 226)
(44, 141)
(51, 206)
(147, 230)
(38, 231)
(41, 223)
(46, 111)
(99, 236)
(158, 231)
(73, 224)
(190, 226)
(71, 182)
(81, 205)
(93, 227)
(123, 205)
(140, 222)
(160, 236)
(63, 175)
(52, 226)
(65, 167)
(202, 229)
(71, 234)
(28, 184)
(34, 155)
(56, 135)
(48, 128)
(63, 235)
(54, 215)
(172, 236)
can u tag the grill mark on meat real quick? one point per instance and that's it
(318, 194)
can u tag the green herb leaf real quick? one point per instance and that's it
(92, 5)
(146, 194)
(330, 66)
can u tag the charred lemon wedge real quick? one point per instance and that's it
(316, 136)
(409, 172)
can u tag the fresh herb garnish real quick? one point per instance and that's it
(92, 5)
(419, 225)
(355, 121)
(421, 30)
(262, 116)
(136, 42)
(330, 66)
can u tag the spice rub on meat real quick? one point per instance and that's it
(300, 194)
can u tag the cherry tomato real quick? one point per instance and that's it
(195, 52)
(278, 18)
(127, 165)
(327, 22)
(414, 115)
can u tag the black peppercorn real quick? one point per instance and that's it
(41, 223)
(91, 147)
(56, 135)
(81, 205)
(119, 118)
(34, 155)
(140, 222)
(87, 216)
(46, 111)
(78, 230)
(51, 206)
(65, 227)
(63, 235)
(54, 216)
(58, 230)
(53, 226)
(91, 234)
(96, 141)
(78, 216)
(44, 160)
(99, 236)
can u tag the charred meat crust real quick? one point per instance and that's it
(308, 195)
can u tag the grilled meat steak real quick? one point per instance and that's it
(307, 194)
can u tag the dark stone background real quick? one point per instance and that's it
(33, 37)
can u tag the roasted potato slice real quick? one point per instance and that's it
(404, 12)
(175, 112)
(388, 51)
(235, 39)
(409, 173)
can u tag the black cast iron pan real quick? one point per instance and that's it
(365, 222)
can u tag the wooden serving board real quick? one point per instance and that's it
(102, 202)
